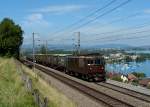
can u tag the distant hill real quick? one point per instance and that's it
(105, 46)
(145, 47)
(115, 46)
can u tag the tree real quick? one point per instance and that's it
(10, 38)
(139, 74)
(43, 49)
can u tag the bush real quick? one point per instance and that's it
(117, 78)
(135, 82)
(139, 74)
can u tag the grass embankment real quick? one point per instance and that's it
(55, 97)
(12, 90)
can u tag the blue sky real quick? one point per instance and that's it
(47, 17)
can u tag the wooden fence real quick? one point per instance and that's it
(40, 101)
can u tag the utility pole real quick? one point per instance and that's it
(33, 52)
(46, 47)
(73, 45)
(78, 46)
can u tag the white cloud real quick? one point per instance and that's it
(59, 9)
(35, 17)
(34, 20)
(147, 11)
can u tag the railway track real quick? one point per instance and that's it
(126, 91)
(90, 92)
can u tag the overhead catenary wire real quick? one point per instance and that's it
(146, 24)
(129, 38)
(122, 28)
(113, 36)
(118, 6)
(103, 14)
(118, 38)
(84, 18)
(136, 27)
(109, 37)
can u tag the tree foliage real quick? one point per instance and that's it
(139, 74)
(43, 50)
(10, 38)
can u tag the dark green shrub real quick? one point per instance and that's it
(139, 74)
(117, 78)
(135, 82)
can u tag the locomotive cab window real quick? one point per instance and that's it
(90, 62)
(103, 62)
(97, 61)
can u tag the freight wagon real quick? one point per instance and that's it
(87, 67)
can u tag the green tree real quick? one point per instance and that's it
(10, 38)
(43, 49)
(139, 74)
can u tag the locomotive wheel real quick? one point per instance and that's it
(76, 74)
(87, 78)
(66, 71)
(82, 76)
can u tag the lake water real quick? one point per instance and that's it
(138, 51)
(130, 67)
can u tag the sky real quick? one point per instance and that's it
(57, 21)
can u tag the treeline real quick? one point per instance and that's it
(10, 38)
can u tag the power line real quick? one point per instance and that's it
(128, 38)
(120, 19)
(112, 36)
(84, 18)
(123, 29)
(105, 13)
(135, 37)
(109, 32)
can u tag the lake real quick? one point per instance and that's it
(126, 68)
(139, 51)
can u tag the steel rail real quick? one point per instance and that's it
(126, 91)
(91, 92)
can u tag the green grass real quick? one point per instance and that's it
(12, 90)
(55, 97)
(117, 78)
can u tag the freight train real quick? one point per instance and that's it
(87, 67)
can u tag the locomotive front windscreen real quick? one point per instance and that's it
(95, 62)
